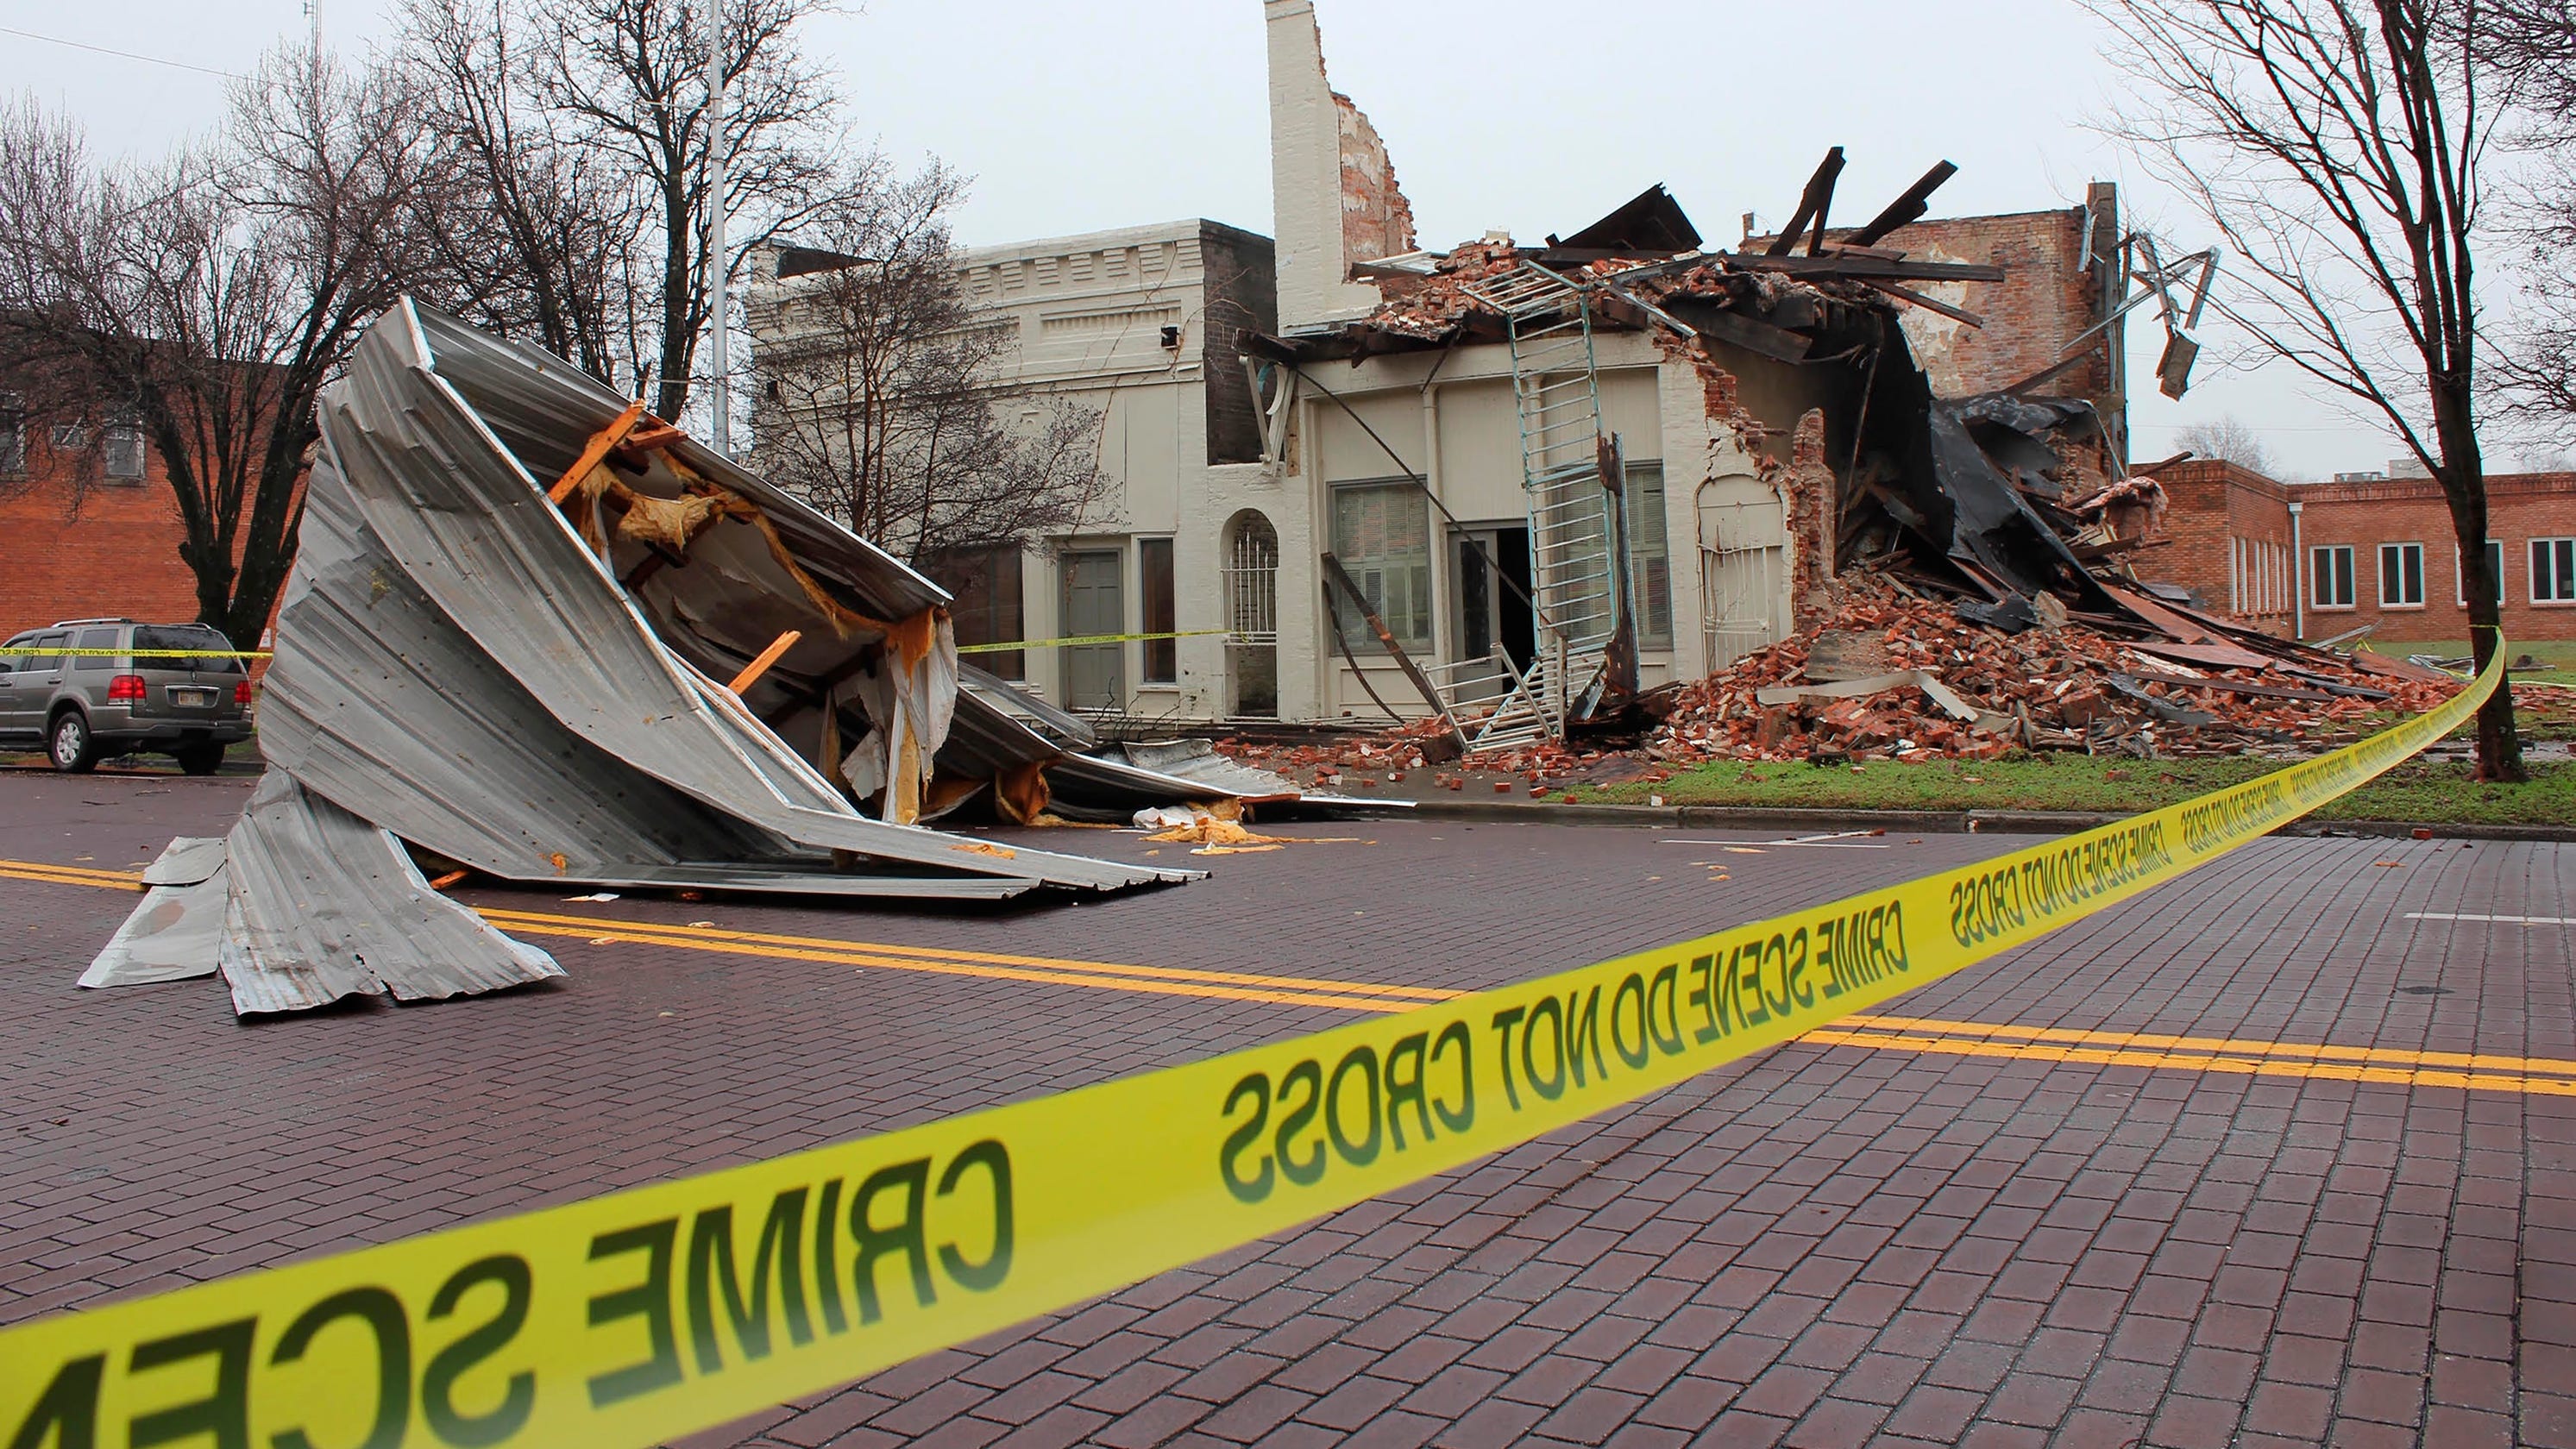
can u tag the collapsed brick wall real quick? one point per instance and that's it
(1808, 486)
(1376, 219)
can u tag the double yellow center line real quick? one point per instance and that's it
(2476, 1071)
(1115, 976)
(123, 880)
(994, 966)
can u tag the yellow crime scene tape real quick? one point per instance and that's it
(639, 1316)
(7, 653)
(1083, 639)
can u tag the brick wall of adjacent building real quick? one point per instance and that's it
(2228, 529)
(2363, 516)
(76, 545)
(2227, 532)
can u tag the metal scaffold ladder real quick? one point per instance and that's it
(1574, 569)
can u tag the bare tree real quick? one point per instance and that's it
(560, 224)
(626, 80)
(2341, 147)
(885, 395)
(208, 300)
(2227, 439)
(2534, 41)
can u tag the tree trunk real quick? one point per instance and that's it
(2463, 481)
(679, 338)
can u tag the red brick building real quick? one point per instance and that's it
(2323, 558)
(2228, 542)
(89, 528)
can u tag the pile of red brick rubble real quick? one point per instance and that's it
(1892, 673)
(2079, 686)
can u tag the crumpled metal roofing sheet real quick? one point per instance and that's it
(323, 905)
(456, 668)
(474, 530)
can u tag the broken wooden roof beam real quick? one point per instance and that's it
(1906, 208)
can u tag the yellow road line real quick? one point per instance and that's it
(2468, 1070)
(2246, 1065)
(2381, 1056)
(1410, 995)
(1117, 976)
(847, 954)
(69, 874)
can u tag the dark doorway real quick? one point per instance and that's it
(1493, 610)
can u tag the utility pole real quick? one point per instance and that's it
(719, 348)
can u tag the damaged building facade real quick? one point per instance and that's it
(1515, 481)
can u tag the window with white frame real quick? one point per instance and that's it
(1382, 534)
(2553, 570)
(2330, 577)
(2495, 571)
(2401, 576)
(1650, 555)
(120, 447)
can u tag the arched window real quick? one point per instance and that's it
(1252, 578)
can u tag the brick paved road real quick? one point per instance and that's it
(1989, 1240)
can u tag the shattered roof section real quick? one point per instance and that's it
(1652, 224)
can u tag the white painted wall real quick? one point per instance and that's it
(1306, 176)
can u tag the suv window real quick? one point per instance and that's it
(95, 639)
(185, 636)
(10, 661)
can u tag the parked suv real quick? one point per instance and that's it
(127, 688)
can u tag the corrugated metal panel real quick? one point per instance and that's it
(1064, 729)
(172, 936)
(705, 875)
(467, 523)
(456, 668)
(186, 861)
(1198, 762)
(323, 905)
(542, 408)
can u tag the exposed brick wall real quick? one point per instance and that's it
(1242, 295)
(2044, 302)
(2520, 507)
(114, 554)
(1376, 219)
(2228, 532)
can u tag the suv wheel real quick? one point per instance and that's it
(69, 743)
(200, 759)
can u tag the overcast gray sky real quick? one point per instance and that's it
(1498, 113)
